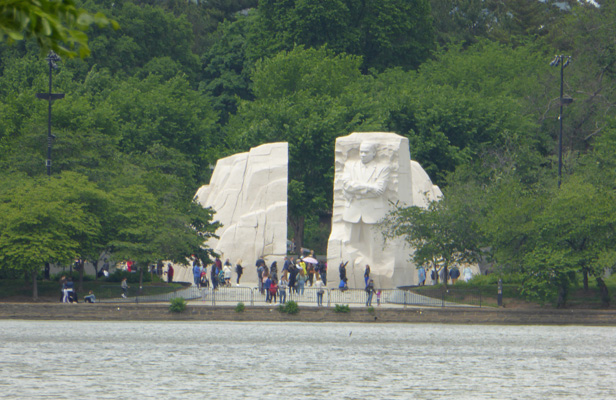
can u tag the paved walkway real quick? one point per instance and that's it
(250, 295)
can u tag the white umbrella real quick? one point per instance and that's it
(310, 260)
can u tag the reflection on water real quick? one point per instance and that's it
(201, 360)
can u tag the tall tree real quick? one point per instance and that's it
(41, 221)
(444, 233)
(307, 98)
(386, 33)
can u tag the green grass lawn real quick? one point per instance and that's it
(512, 297)
(18, 290)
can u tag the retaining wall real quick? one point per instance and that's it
(160, 312)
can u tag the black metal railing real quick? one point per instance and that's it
(410, 296)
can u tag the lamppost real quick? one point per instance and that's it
(52, 59)
(563, 61)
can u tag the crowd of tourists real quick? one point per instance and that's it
(276, 283)
(294, 277)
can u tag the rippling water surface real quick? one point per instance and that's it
(204, 360)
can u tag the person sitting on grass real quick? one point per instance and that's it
(90, 298)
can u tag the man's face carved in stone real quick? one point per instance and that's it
(367, 152)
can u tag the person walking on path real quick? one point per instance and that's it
(169, 273)
(125, 287)
(367, 275)
(454, 274)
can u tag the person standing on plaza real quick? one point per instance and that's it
(203, 281)
(421, 275)
(214, 277)
(282, 288)
(287, 263)
(267, 282)
(227, 273)
(370, 290)
(169, 273)
(274, 271)
(323, 272)
(301, 282)
(366, 275)
(343, 275)
(260, 270)
(273, 290)
(320, 291)
(196, 272)
(218, 265)
(239, 270)
(293, 271)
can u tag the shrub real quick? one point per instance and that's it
(177, 305)
(290, 307)
(240, 307)
(370, 310)
(342, 308)
(131, 277)
(74, 276)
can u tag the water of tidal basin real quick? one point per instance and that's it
(226, 360)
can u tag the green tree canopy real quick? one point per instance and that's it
(56, 25)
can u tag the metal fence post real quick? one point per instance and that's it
(252, 297)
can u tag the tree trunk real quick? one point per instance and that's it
(95, 265)
(34, 286)
(603, 292)
(585, 274)
(82, 265)
(140, 278)
(297, 223)
(562, 297)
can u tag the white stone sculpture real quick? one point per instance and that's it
(373, 172)
(424, 191)
(248, 191)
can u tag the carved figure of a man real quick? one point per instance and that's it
(364, 183)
